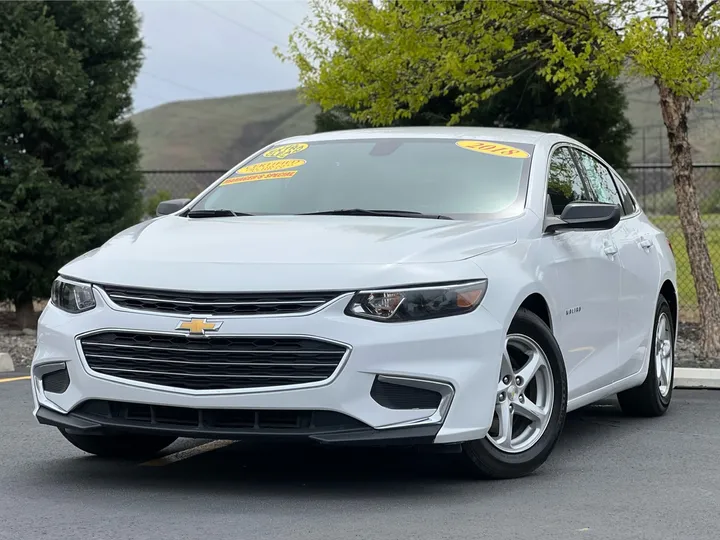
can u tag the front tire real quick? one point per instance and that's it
(125, 446)
(652, 397)
(530, 407)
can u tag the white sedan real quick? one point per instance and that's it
(461, 288)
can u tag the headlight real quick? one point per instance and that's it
(416, 304)
(72, 297)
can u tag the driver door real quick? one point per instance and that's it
(586, 274)
(640, 269)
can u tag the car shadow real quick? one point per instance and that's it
(327, 472)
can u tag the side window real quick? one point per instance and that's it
(627, 200)
(565, 184)
(600, 180)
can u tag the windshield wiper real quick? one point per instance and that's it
(214, 213)
(364, 212)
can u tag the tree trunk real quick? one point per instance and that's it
(675, 111)
(25, 312)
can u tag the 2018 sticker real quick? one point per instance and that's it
(494, 149)
(268, 166)
(256, 177)
(286, 150)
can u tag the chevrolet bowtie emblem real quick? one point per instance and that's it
(198, 327)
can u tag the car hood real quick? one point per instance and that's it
(176, 252)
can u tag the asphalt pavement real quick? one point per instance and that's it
(610, 477)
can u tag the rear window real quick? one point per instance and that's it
(459, 178)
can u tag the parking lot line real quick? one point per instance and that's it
(23, 378)
(188, 453)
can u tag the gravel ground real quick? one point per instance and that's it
(21, 344)
(688, 349)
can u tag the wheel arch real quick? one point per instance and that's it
(669, 292)
(537, 304)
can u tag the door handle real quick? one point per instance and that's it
(645, 243)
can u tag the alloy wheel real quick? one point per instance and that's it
(525, 396)
(663, 354)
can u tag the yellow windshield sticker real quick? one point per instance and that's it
(286, 150)
(494, 149)
(256, 177)
(267, 166)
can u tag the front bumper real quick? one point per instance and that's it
(82, 424)
(459, 356)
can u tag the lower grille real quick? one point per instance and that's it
(211, 363)
(141, 415)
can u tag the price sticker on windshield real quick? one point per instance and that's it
(492, 148)
(256, 177)
(268, 166)
(285, 150)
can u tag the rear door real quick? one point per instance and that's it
(636, 240)
(586, 284)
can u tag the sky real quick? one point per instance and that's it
(212, 48)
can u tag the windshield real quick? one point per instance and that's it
(463, 179)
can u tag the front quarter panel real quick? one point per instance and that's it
(514, 273)
(525, 268)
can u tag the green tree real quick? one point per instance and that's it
(69, 156)
(386, 59)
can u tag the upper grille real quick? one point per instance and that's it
(190, 303)
(211, 363)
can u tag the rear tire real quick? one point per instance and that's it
(126, 446)
(530, 441)
(652, 397)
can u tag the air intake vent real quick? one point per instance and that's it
(399, 396)
(56, 382)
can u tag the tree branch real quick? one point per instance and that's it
(706, 8)
(463, 18)
(545, 10)
(689, 9)
(564, 18)
(672, 20)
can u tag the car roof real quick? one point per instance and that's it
(440, 132)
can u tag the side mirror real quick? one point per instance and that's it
(585, 215)
(171, 206)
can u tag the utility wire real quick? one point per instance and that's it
(233, 21)
(179, 85)
(154, 97)
(281, 16)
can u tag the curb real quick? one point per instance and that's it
(6, 362)
(696, 378)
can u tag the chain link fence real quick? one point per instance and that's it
(653, 187)
(163, 185)
(651, 184)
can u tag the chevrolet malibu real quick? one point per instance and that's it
(460, 288)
